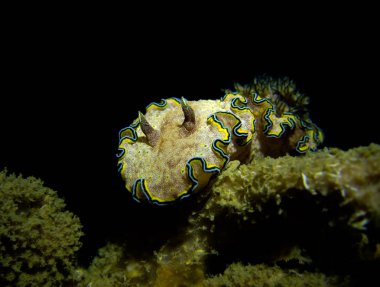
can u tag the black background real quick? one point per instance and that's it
(68, 88)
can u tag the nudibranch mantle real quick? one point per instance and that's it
(173, 150)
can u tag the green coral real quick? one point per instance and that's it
(351, 177)
(113, 267)
(261, 275)
(171, 266)
(324, 206)
(38, 238)
(291, 221)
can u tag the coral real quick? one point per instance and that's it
(261, 275)
(178, 146)
(325, 207)
(38, 238)
(113, 268)
(291, 221)
(351, 177)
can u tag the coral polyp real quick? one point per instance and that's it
(174, 150)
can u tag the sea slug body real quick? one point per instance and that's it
(173, 150)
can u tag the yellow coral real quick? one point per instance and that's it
(38, 237)
(282, 221)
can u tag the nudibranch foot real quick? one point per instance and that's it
(173, 151)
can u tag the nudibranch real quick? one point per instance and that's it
(174, 150)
